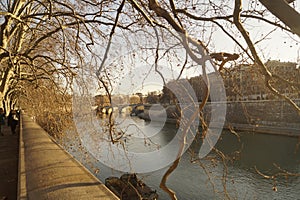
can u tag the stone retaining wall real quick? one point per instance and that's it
(264, 116)
(268, 116)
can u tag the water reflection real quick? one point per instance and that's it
(262, 150)
(192, 182)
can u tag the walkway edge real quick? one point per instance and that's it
(47, 171)
(22, 194)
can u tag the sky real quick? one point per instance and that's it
(277, 45)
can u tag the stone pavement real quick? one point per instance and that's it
(41, 169)
(49, 172)
(8, 164)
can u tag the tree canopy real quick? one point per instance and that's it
(45, 44)
(53, 40)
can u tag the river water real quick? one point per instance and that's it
(248, 154)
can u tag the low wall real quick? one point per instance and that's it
(267, 116)
(270, 113)
(46, 171)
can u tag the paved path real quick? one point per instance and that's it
(48, 172)
(8, 164)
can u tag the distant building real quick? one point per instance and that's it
(287, 71)
(152, 97)
(102, 100)
(245, 82)
(134, 99)
(242, 83)
(119, 99)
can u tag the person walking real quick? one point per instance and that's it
(13, 121)
(2, 120)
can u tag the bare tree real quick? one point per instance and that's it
(48, 39)
(285, 13)
(45, 44)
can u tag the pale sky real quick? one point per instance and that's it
(276, 45)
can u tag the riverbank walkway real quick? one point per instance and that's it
(41, 169)
(9, 148)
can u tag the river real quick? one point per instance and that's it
(205, 180)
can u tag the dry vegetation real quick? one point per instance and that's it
(45, 44)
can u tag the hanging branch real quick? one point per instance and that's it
(186, 40)
(264, 70)
(110, 38)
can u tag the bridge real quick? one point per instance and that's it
(120, 108)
